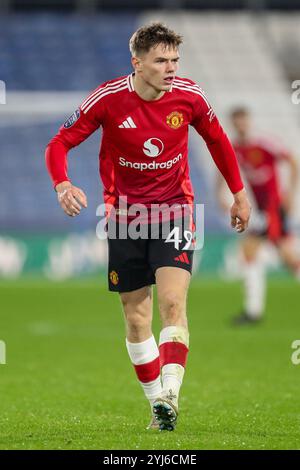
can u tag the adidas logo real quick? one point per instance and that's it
(128, 123)
(183, 258)
(171, 396)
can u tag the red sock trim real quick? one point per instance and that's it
(173, 353)
(149, 371)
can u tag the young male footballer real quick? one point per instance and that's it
(145, 118)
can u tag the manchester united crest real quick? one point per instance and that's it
(175, 120)
(114, 278)
(256, 157)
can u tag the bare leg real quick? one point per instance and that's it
(172, 287)
(286, 250)
(254, 278)
(140, 342)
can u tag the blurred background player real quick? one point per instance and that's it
(259, 159)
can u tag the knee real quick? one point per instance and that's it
(250, 251)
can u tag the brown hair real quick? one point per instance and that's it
(150, 36)
(239, 111)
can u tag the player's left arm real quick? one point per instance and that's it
(289, 195)
(208, 126)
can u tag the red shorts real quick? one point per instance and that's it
(275, 224)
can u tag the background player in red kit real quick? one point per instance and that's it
(143, 157)
(259, 159)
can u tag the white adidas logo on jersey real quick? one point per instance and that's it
(128, 124)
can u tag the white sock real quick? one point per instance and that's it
(145, 359)
(172, 376)
(172, 373)
(255, 289)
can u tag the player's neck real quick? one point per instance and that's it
(146, 91)
(243, 138)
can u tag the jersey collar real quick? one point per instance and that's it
(131, 86)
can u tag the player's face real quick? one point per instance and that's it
(242, 124)
(158, 67)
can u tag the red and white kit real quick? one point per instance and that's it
(144, 157)
(144, 150)
(259, 158)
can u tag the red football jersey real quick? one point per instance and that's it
(258, 159)
(144, 150)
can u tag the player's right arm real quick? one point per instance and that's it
(281, 154)
(222, 192)
(75, 130)
(288, 197)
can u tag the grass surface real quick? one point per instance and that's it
(68, 382)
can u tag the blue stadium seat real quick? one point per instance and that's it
(63, 52)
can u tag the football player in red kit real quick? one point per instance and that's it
(259, 159)
(144, 158)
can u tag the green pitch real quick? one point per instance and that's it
(68, 383)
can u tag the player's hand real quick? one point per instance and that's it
(240, 211)
(70, 198)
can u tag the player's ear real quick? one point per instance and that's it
(136, 63)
